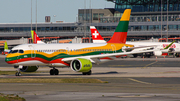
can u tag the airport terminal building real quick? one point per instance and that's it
(146, 20)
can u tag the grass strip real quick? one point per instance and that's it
(7, 72)
(13, 72)
(50, 80)
(10, 97)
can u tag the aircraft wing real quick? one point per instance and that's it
(150, 46)
(131, 48)
(90, 57)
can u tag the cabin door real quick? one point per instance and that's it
(113, 48)
(33, 52)
(67, 50)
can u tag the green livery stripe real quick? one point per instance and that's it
(122, 26)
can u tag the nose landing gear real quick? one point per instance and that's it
(18, 73)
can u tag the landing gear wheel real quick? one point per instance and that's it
(17, 74)
(87, 73)
(56, 72)
(51, 72)
(84, 73)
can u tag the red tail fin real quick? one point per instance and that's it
(37, 39)
(97, 38)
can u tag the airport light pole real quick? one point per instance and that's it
(54, 18)
(167, 21)
(90, 20)
(36, 16)
(84, 18)
(31, 14)
(161, 20)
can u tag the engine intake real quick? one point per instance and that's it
(81, 65)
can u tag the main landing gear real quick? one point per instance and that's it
(54, 71)
(87, 73)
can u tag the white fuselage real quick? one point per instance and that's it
(156, 45)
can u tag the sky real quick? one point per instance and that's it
(19, 11)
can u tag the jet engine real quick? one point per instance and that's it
(81, 65)
(157, 53)
(29, 68)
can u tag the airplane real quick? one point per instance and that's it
(165, 47)
(6, 49)
(35, 38)
(79, 56)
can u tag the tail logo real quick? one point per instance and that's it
(95, 34)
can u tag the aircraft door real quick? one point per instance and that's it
(67, 50)
(113, 48)
(33, 53)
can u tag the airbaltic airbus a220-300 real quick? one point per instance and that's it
(79, 57)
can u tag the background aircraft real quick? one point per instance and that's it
(97, 38)
(6, 49)
(35, 38)
(158, 47)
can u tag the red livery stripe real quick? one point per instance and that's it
(59, 61)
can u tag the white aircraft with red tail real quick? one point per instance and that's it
(159, 48)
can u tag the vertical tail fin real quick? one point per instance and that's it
(6, 50)
(96, 37)
(32, 35)
(120, 33)
(5, 46)
(35, 38)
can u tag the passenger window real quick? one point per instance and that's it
(21, 51)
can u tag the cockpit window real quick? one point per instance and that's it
(21, 51)
(14, 51)
(10, 51)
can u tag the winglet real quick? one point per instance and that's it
(96, 37)
(169, 44)
(120, 33)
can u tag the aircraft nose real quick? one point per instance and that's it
(7, 60)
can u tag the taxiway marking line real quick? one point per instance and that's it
(138, 81)
(149, 64)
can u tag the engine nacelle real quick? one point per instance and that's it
(29, 68)
(81, 65)
(157, 53)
